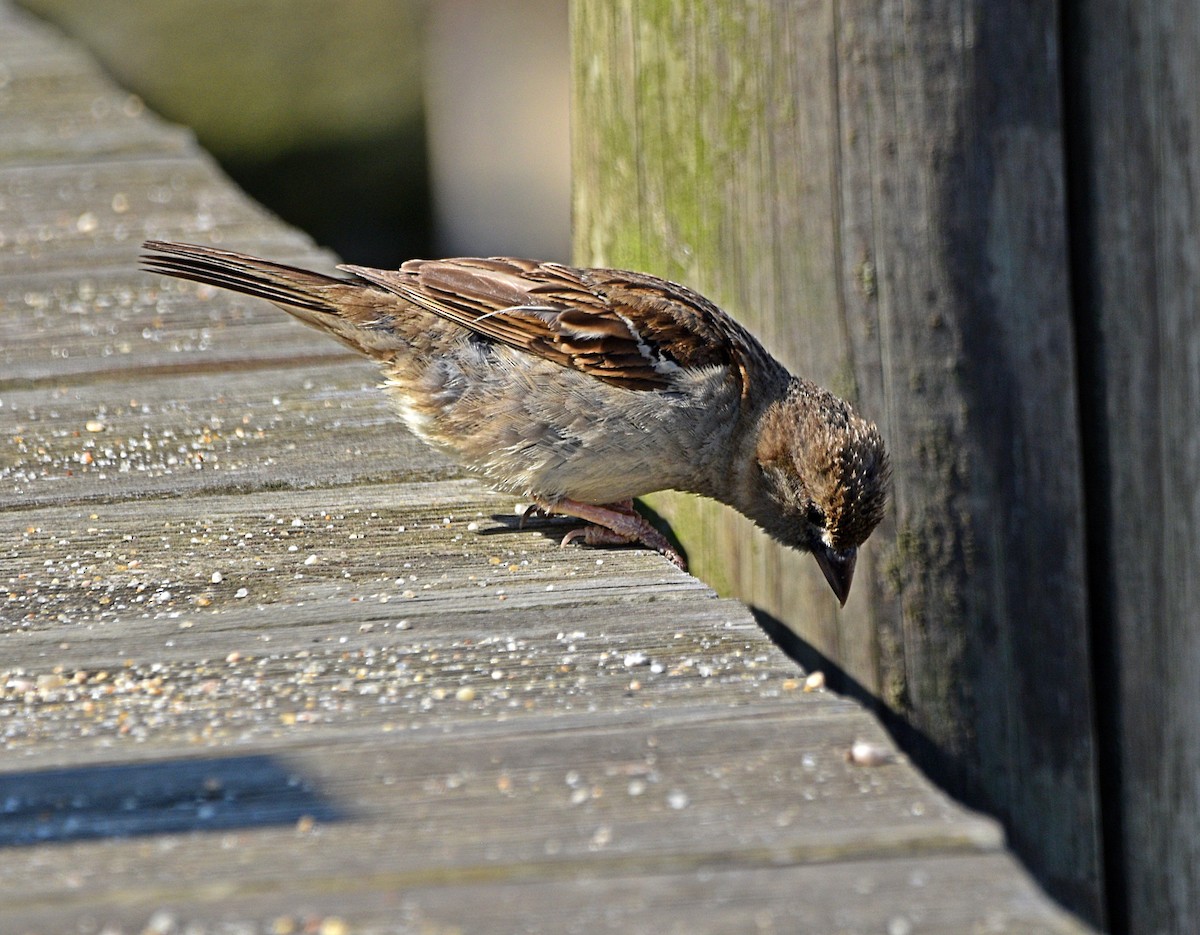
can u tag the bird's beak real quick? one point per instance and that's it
(838, 568)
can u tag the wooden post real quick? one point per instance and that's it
(1135, 161)
(877, 190)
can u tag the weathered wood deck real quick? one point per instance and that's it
(268, 664)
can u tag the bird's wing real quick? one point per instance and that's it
(627, 329)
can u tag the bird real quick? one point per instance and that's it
(581, 389)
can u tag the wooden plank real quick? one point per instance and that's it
(917, 895)
(365, 531)
(395, 573)
(1135, 152)
(112, 124)
(188, 685)
(570, 702)
(91, 117)
(951, 160)
(422, 804)
(304, 426)
(420, 808)
(73, 217)
(90, 320)
(878, 192)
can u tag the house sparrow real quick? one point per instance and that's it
(584, 388)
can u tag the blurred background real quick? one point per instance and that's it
(386, 129)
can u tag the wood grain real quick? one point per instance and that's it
(1136, 218)
(299, 426)
(706, 901)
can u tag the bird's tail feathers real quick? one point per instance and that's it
(275, 282)
(329, 303)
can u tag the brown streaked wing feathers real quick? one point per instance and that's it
(623, 328)
(697, 332)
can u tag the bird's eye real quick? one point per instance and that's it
(815, 515)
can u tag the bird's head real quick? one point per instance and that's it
(826, 476)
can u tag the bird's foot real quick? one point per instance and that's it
(613, 524)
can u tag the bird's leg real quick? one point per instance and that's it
(614, 524)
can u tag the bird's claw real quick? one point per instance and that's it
(534, 509)
(601, 536)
